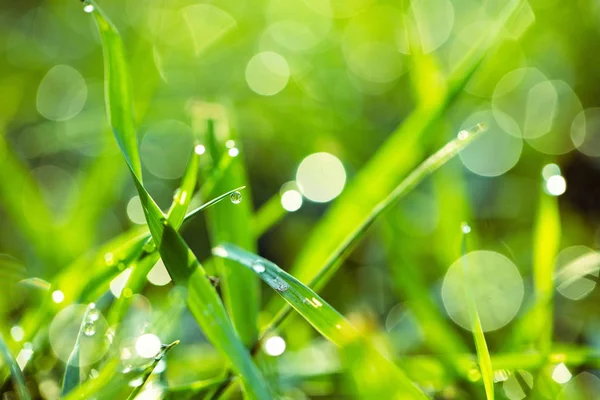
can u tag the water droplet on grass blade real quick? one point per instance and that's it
(258, 267)
(93, 316)
(149, 246)
(89, 329)
(465, 228)
(236, 197)
(277, 283)
(462, 135)
(87, 7)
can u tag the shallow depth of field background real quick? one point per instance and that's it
(311, 89)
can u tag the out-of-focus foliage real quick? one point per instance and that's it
(321, 109)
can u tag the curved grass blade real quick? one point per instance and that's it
(545, 248)
(176, 214)
(232, 223)
(346, 218)
(414, 178)
(163, 352)
(324, 318)
(181, 263)
(72, 376)
(118, 90)
(535, 327)
(483, 355)
(15, 371)
(409, 282)
(316, 311)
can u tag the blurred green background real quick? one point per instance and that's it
(285, 79)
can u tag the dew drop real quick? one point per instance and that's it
(136, 382)
(88, 8)
(109, 259)
(93, 316)
(462, 135)
(89, 329)
(258, 267)
(278, 284)
(149, 246)
(465, 228)
(236, 197)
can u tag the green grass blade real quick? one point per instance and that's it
(203, 300)
(183, 196)
(483, 355)
(233, 223)
(316, 311)
(409, 282)
(346, 217)
(150, 368)
(414, 178)
(149, 257)
(268, 215)
(546, 244)
(15, 371)
(118, 90)
(72, 376)
(535, 326)
(324, 318)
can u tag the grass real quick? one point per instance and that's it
(222, 292)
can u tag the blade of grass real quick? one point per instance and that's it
(483, 355)
(185, 270)
(232, 223)
(163, 352)
(15, 371)
(268, 215)
(410, 284)
(117, 90)
(426, 168)
(72, 376)
(176, 215)
(545, 248)
(535, 326)
(316, 311)
(345, 219)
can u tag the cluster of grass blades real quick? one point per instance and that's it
(229, 317)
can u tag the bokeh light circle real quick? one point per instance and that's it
(584, 386)
(431, 21)
(528, 97)
(65, 328)
(577, 268)
(497, 150)
(585, 132)
(267, 73)
(166, 148)
(62, 93)
(338, 8)
(321, 177)
(495, 286)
